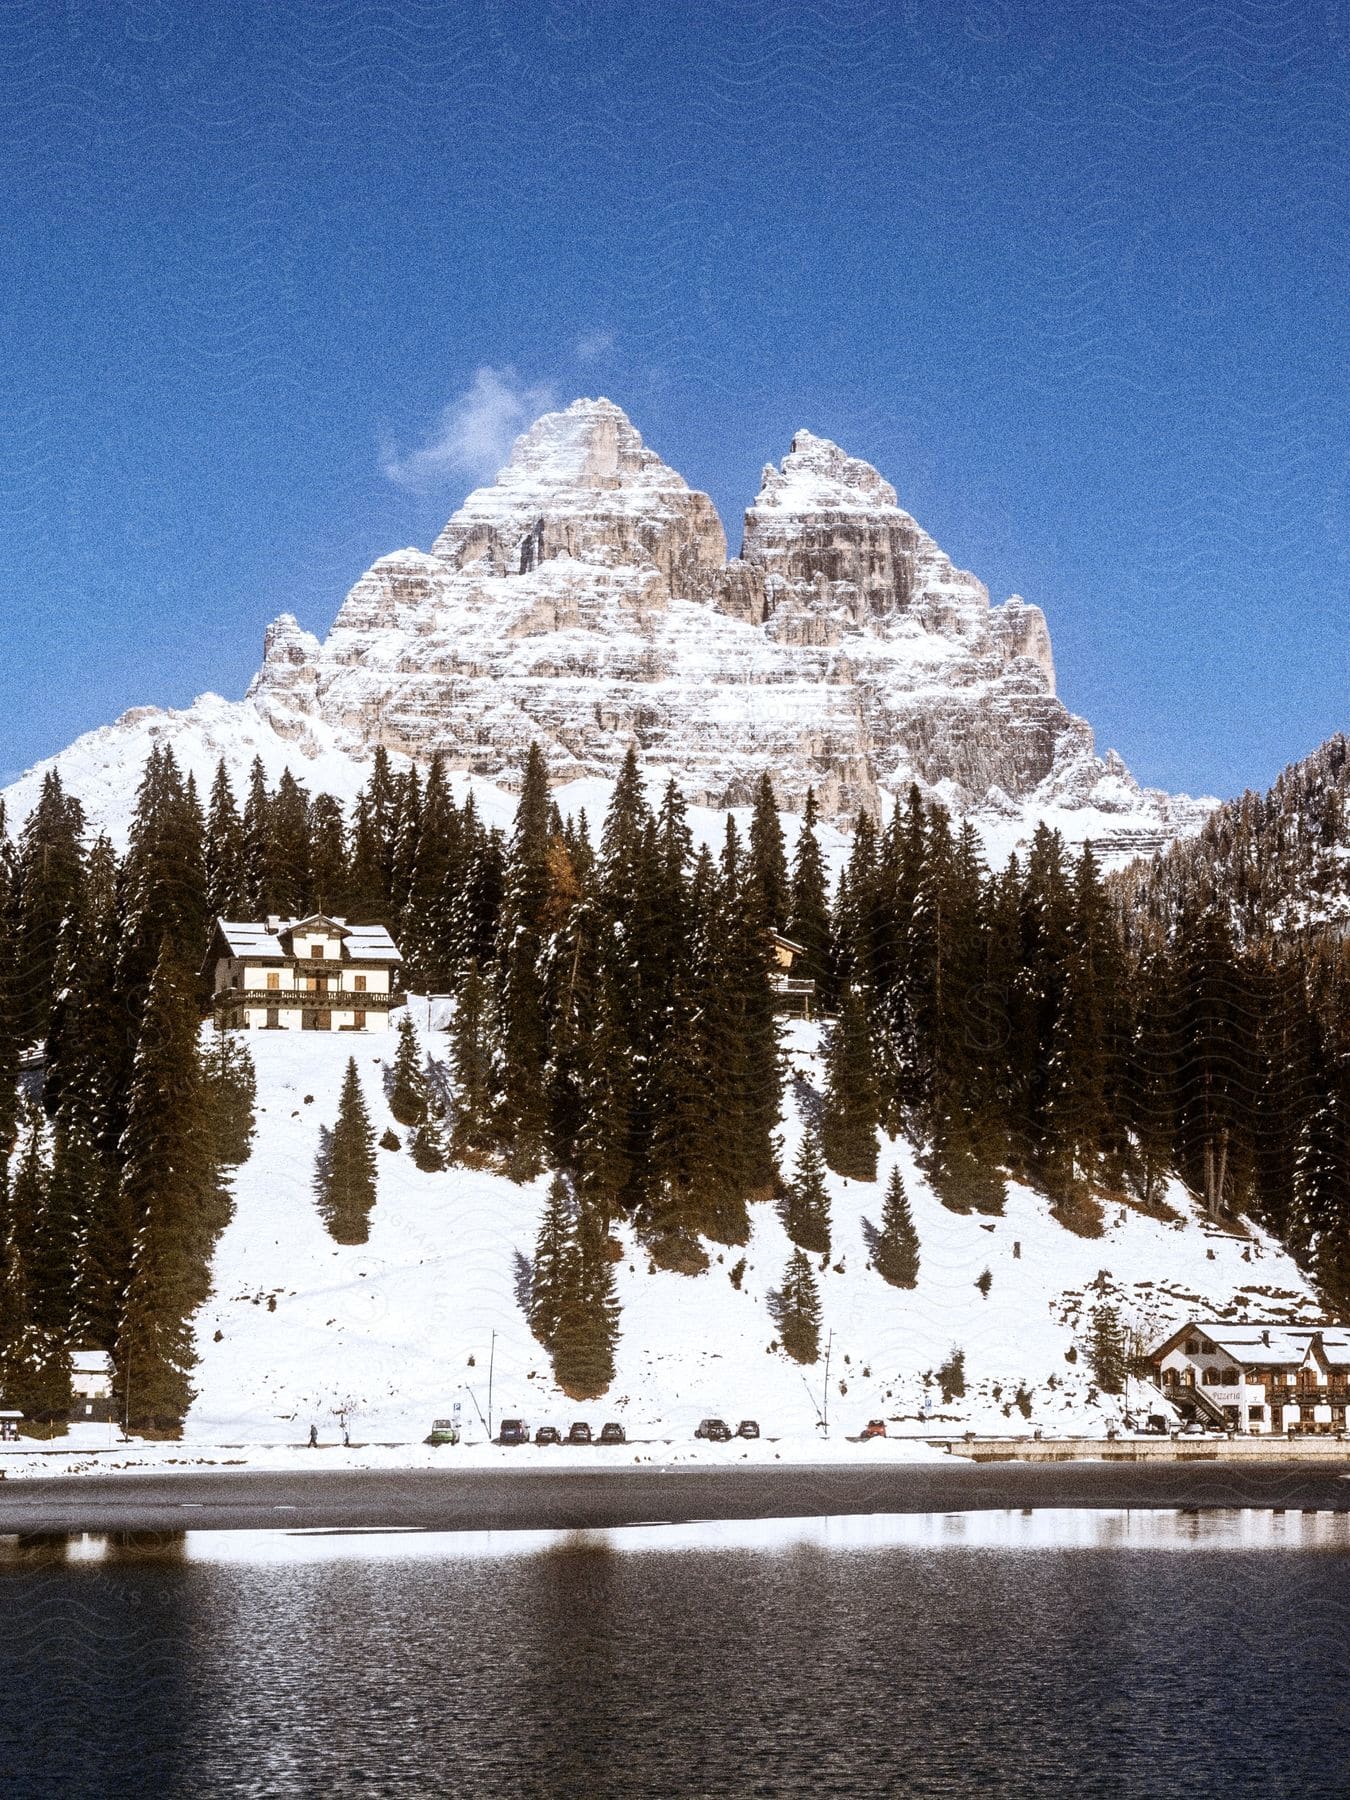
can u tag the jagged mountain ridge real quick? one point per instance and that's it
(585, 599)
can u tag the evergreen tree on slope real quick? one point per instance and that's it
(806, 1212)
(896, 1250)
(345, 1180)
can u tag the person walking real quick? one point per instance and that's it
(313, 1437)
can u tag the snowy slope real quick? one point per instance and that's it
(297, 1325)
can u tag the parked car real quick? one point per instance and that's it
(717, 1431)
(579, 1432)
(1193, 1428)
(513, 1431)
(612, 1434)
(548, 1434)
(443, 1432)
(874, 1428)
(748, 1428)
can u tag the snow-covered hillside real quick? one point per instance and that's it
(399, 1329)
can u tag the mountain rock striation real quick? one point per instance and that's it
(585, 600)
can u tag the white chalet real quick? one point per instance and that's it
(1258, 1378)
(313, 974)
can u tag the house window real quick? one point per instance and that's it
(1192, 1346)
(318, 952)
(359, 1021)
(358, 984)
(1230, 1377)
(1256, 1414)
(1210, 1378)
(274, 981)
(273, 1018)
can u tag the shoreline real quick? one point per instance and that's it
(579, 1500)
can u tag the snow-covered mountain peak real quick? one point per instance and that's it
(581, 483)
(589, 444)
(584, 600)
(818, 476)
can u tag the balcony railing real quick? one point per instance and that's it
(328, 1000)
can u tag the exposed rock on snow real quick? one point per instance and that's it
(584, 599)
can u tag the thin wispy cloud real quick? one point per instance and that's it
(592, 345)
(473, 433)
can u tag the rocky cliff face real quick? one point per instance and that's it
(585, 599)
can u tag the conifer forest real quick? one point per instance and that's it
(614, 1029)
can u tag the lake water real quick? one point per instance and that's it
(1039, 1654)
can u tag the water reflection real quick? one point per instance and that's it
(1014, 1529)
(1013, 1652)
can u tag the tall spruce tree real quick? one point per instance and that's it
(345, 1178)
(767, 871)
(473, 1134)
(588, 1310)
(226, 876)
(547, 1273)
(522, 941)
(169, 1194)
(806, 1211)
(848, 1131)
(895, 1254)
(809, 920)
(407, 1089)
(797, 1310)
(48, 873)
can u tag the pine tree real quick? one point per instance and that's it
(806, 1212)
(407, 1090)
(952, 1376)
(289, 877)
(848, 1124)
(345, 1180)
(809, 923)
(472, 1134)
(896, 1250)
(328, 855)
(254, 834)
(1106, 1350)
(588, 1313)
(230, 1089)
(797, 1310)
(48, 871)
(960, 1173)
(370, 872)
(767, 873)
(550, 1258)
(436, 876)
(9, 1036)
(226, 879)
(169, 1193)
(522, 1010)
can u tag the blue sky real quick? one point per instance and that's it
(1073, 277)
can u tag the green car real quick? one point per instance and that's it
(442, 1432)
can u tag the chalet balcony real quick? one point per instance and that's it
(793, 996)
(306, 999)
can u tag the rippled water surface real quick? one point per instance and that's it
(1148, 1655)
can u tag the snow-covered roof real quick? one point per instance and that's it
(370, 943)
(252, 939)
(1257, 1343)
(89, 1362)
